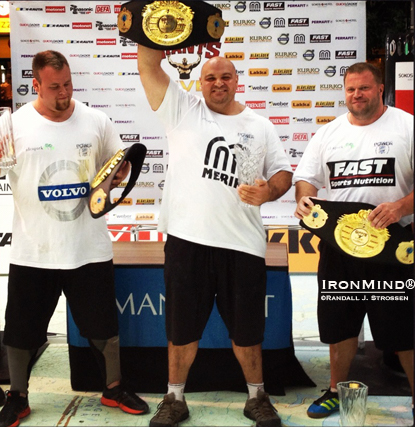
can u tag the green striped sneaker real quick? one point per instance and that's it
(325, 405)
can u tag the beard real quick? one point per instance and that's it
(366, 111)
(63, 104)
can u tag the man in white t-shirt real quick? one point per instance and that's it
(57, 246)
(215, 245)
(365, 155)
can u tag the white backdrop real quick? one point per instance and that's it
(290, 57)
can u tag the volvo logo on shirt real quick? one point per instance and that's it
(63, 192)
(63, 189)
(375, 172)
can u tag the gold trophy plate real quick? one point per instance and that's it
(316, 218)
(357, 237)
(167, 23)
(405, 252)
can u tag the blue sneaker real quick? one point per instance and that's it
(325, 405)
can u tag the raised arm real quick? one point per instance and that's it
(153, 78)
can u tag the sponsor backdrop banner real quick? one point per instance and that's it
(290, 58)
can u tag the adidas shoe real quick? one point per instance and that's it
(325, 405)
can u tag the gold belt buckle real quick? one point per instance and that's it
(167, 23)
(357, 237)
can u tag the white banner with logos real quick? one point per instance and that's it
(290, 57)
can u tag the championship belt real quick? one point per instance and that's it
(170, 25)
(99, 198)
(344, 226)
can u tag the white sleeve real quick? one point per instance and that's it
(175, 105)
(311, 168)
(276, 159)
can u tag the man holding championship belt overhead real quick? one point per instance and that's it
(364, 156)
(57, 245)
(215, 248)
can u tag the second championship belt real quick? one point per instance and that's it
(99, 199)
(344, 225)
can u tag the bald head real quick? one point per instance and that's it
(216, 62)
(219, 82)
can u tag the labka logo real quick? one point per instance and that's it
(282, 88)
(301, 104)
(322, 120)
(258, 72)
(235, 56)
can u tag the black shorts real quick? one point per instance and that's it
(196, 274)
(342, 305)
(33, 294)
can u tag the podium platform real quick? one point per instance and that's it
(140, 300)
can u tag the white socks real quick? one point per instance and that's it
(253, 389)
(177, 389)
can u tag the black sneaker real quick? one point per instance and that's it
(169, 412)
(120, 397)
(15, 408)
(261, 410)
(325, 405)
(2, 397)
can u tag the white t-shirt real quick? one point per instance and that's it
(56, 161)
(200, 200)
(371, 164)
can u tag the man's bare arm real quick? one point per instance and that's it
(390, 212)
(303, 191)
(153, 78)
(266, 191)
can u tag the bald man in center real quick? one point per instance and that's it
(216, 242)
